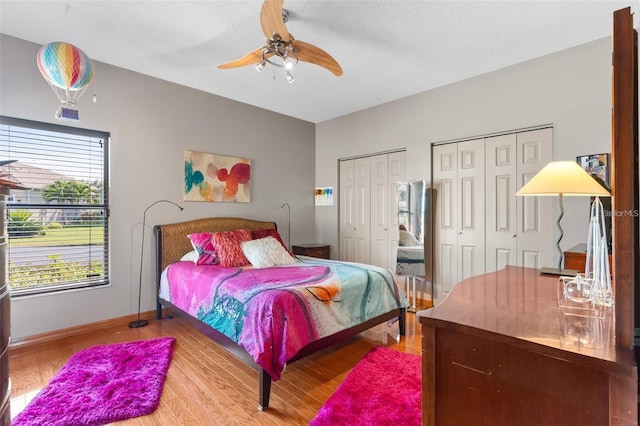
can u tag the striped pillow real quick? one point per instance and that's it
(206, 251)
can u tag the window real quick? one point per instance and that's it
(57, 214)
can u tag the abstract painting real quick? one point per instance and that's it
(324, 196)
(211, 177)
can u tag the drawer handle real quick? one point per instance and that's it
(472, 369)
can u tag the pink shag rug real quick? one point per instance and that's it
(384, 388)
(103, 384)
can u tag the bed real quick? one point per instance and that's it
(269, 317)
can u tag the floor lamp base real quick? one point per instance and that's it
(556, 271)
(138, 323)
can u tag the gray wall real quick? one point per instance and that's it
(151, 123)
(570, 90)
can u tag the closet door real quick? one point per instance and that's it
(535, 218)
(501, 187)
(459, 181)
(397, 173)
(380, 210)
(369, 210)
(386, 171)
(481, 225)
(445, 182)
(347, 197)
(470, 213)
(355, 200)
(519, 229)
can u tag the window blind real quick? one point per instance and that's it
(58, 207)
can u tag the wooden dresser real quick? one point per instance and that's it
(500, 351)
(5, 318)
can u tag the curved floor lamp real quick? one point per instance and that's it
(138, 322)
(288, 223)
(560, 178)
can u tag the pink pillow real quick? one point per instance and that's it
(228, 247)
(262, 233)
(202, 244)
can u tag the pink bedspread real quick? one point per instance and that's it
(274, 312)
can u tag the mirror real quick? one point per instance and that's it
(411, 209)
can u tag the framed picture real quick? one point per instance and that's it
(324, 196)
(212, 177)
(596, 165)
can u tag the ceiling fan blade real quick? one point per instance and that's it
(309, 53)
(271, 19)
(250, 58)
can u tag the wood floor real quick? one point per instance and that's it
(205, 385)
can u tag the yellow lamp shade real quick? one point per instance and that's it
(563, 178)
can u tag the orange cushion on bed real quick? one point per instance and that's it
(228, 247)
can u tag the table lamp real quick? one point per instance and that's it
(562, 178)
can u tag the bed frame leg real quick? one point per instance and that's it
(158, 311)
(265, 389)
(402, 327)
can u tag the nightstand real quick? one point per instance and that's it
(313, 250)
(576, 257)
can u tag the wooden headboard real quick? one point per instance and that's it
(172, 242)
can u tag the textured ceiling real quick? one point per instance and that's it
(387, 49)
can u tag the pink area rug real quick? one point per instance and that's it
(384, 388)
(103, 384)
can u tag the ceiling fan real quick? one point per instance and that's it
(282, 50)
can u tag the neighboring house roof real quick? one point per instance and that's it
(29, 176)
(7, 182)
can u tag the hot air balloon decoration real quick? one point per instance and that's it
(68, 70)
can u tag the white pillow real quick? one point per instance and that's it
(266, 252)
(407, 239)
(192, 256)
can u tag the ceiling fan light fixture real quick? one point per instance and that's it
(281, 49)
(290, 77)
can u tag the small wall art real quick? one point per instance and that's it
(324, 196)
(212, 177)
(596, 164)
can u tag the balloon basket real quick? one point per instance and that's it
(67, 114)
